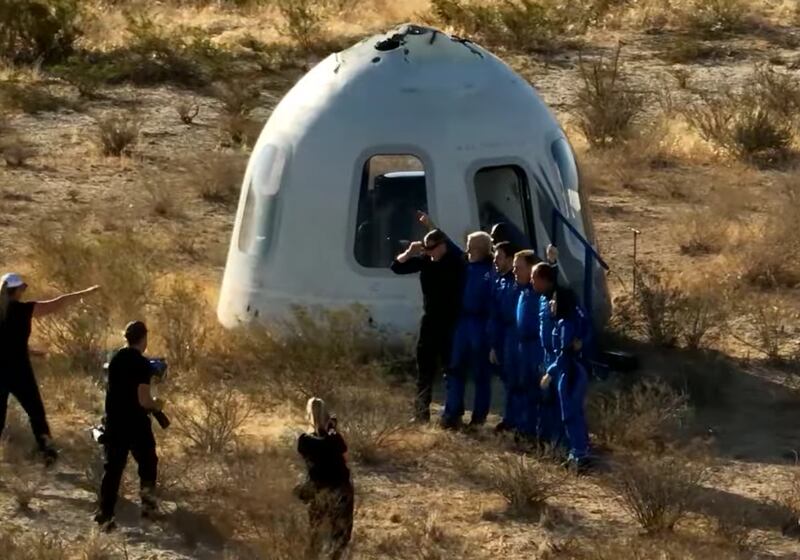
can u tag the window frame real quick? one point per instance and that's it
(357, 179)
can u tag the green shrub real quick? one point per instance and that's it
(303, 20)
(33, 30)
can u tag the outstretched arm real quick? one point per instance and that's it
(55, 305)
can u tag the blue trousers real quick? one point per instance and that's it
(514, 403)
(470, 356)
(528, 393)
(572, 397)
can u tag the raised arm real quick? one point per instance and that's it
(409, 261)
(43, 308)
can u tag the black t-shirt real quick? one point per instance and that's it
(15, 330)
(127, 370)
(442, 281)
(324, 456)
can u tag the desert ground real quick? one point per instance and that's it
(125, 139)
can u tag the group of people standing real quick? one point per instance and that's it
(496, 309)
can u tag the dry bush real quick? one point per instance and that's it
(371, 419)
(79, 334)
(606, 108)
(16, 152)
(524, 25)
(422, 539)
(187, 111)
(715, 18)
(23, 480)
(33, 30)
(702, 232)
(240, 130)
(658, 492)
(774, 329)
(689, 50)
(71, 260)
(212, 423)
(217, 177)
(744, 125)
(15, 545)
(304, 21)
(183, 320)
(665, 314)
(643, 417)
(103, 547)
(162, 197)
(117, 133)
(30, 98)
(525, 484)
(672, 546)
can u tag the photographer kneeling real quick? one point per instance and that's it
(129, 404)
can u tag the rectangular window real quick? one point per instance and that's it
(392, 190)
(503, 197)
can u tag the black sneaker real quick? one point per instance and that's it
(502, 427)
(106, 522)
(49, 455)
(450, 424)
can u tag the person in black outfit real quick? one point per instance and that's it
(129, 404)
(16, 372)
(328, 491)
(442, 268)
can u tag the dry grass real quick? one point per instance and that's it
(217, 177)
(645, 417)
(606, 106)
(17, 546)
(117, 134)
(187, 111)
(658, 492)
(524, 483)
(183, 323)
(212, 425)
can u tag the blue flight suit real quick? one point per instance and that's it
(505, 342)
(550, 412)
(571, 381)
(471, 347)
(525, 388)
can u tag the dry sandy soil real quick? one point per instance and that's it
(744, 409)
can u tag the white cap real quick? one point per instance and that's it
(12, 280)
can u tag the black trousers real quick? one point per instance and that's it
(433, 357)
(330, 517)
(138, 441)
(18, 380)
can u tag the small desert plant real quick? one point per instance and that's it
(716, 17)
(659, 305)
(606, 108)
(743, 125)
(183, 321)
(303, 20)
(80, 335)
(525, 484)
(646, 415)
(118, 133)
(217, 177)
(30, 99)
(162, 196)
(658, 492)
(15, 152)
(369, 426)
(682, 77)
(24, 481)
(774, 333)
(240, 130)
(213, 423)
(187, 111)
(702, 232)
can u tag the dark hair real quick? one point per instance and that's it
(545, 272)
(565, 302)
(506, 248)
(500, 232)
(433, 238)
(135, 331)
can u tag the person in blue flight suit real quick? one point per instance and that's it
(569, 375)
(503, 327)
(526, 394)
(470, 342)
(544, 280)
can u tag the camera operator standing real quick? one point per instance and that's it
(129, 404)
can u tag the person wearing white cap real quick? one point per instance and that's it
(16, 371)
